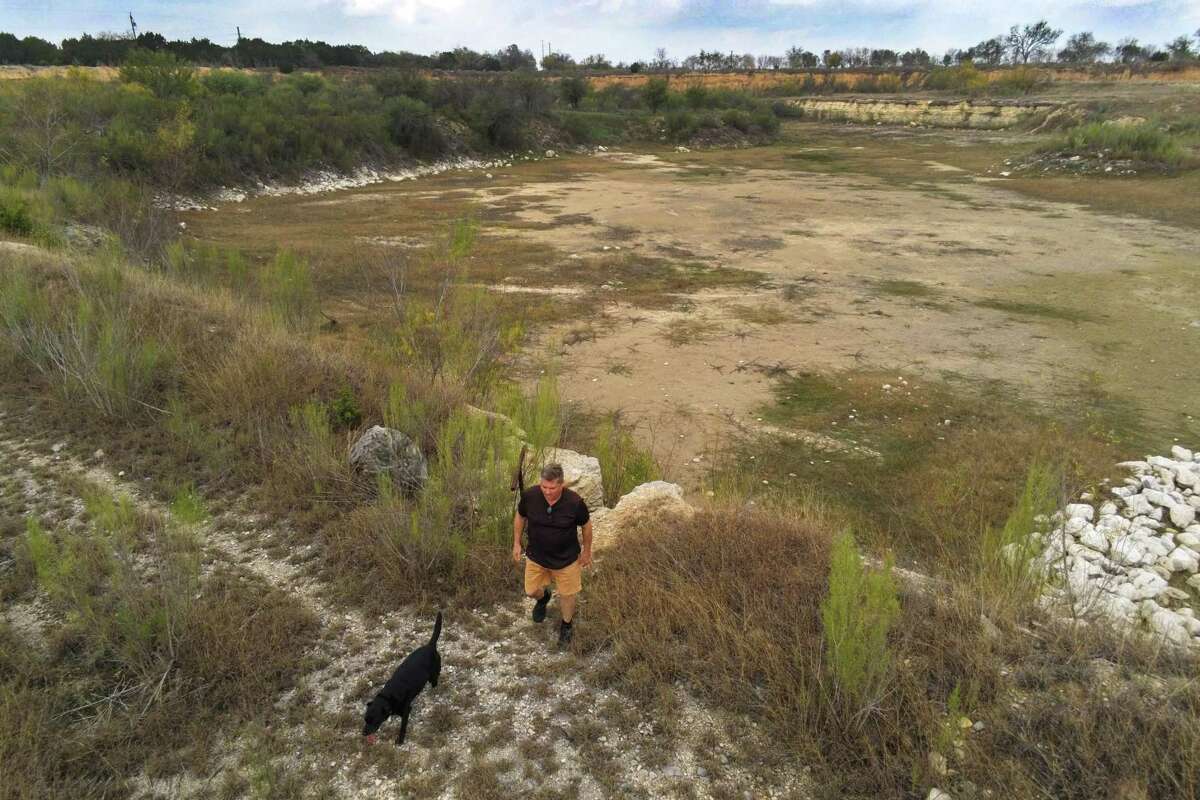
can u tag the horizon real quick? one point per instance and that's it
(620, 30)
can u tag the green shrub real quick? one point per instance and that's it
(16, 213)
(623, 464)
(403, 83)
(412, 126)
(856, 616)
(1005, 572)
(1144, 142)
(655, 94)
(573, 89)
(163, 73)
(287, 286)
(738, 119)
(964, 77)
(680, 125)
(696, 96)
(765, 120)
(345, 410)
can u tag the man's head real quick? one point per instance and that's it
(552, 482)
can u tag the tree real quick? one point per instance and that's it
(989, 51)
(916, 58)
(832, 59)
(1031, 41)
(883, 58)
(573, 89)
(513, 57)
(654, 93)
(1082, 48)
(795, 57)
(746, 61)
(661, 62)
(597, 61)
(1181, 49)
(1128, 51)
(557, 61)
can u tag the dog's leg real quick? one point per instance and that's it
(403, 725)
(436, 672)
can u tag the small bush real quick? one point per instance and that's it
(655, 94)
(965, 78)
(287, 286)
(680, 125)
(573, 89)
(412, 126)
(623, 464)
(765, 120)
(738, 119)
(16, 214)
(856, 616)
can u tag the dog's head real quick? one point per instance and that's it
(376, 714)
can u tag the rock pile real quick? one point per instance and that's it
(1135, 558)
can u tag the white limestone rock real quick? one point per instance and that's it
(1181, 453)
(1094, 539)
(581, 474)
(1080, 511)
(1182, 515)
(1137, 505)
(1183, 559)
(640, 507)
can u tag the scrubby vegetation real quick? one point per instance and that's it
(1144, 142)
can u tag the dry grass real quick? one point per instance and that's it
(951, 458)
(728, 605)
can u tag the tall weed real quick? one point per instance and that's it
(856, 616)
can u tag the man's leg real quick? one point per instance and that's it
(569, 582)
(566, 604)
(537, 587)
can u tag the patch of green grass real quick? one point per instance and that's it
(1031, 309)
(904, 288)
(1145, 142)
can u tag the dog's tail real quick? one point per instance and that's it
(437, 629)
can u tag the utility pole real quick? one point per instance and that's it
(132, 25)
(239, 33)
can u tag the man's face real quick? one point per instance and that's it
(551, 490)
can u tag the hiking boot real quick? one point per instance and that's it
(539, 608)
(565, 632)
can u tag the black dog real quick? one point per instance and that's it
(422, 665)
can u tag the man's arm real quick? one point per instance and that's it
(585, 557)
(518, 528)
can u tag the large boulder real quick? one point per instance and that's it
(647, 502)
(581, 474)
(388, 451)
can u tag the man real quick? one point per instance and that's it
(552, 514)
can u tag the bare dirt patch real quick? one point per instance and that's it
(732, 268)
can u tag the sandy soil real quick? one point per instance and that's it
(858, 273)
(938, 272)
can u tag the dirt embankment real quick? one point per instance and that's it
(910, 79)
(997, 115)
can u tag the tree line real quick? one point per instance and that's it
(1022, 44)
(114, 49)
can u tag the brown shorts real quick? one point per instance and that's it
(568, 580)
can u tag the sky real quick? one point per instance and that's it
(625, 30)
